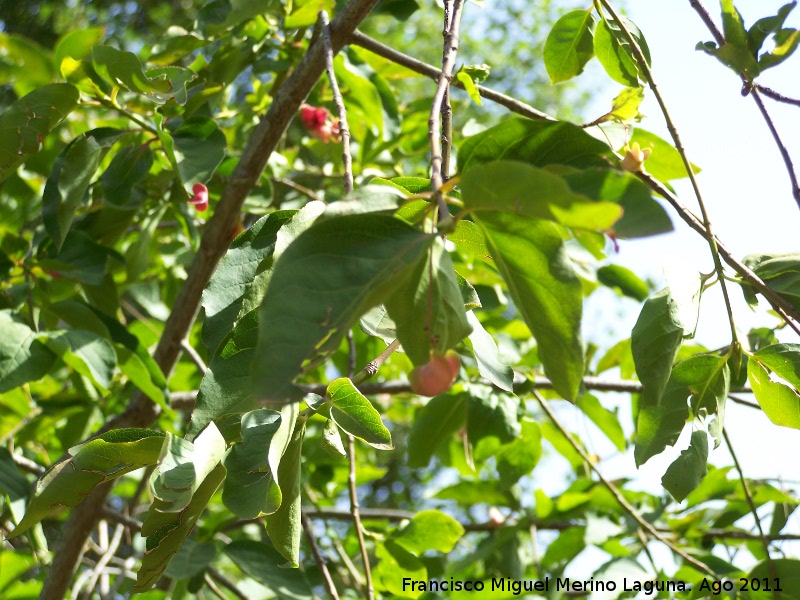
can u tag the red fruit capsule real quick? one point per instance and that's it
(200, 198)
(437, 375)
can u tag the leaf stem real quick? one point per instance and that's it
(641, 63)
(627, 507)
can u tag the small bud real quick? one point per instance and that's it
(200, 198)
(634, 158)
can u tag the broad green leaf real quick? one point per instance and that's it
(709, 378)
(332, 439)
(625, 106)
(284, 526)
(660, 425)
(665, 162)
(355, 414)
(490, 413)
(785, 570)
(15, 487)
(26, 65)
(434, 423)
(80, 258)
(606, 420)
(68, 183)
(468, 238)
(279, 445)
(782, 359)
(767, 26)
(86, 352)
(428, 309)
(327, 278)
(522, 189)
(429, 530)
(477, 492)
(689, 468)
(655, 341)
(23, 357)
(737, 58)
(122, 178)
(538, 143)
(733, 25)
(183, 467)
(372, 198)
(224, 294)
(249, 477)
(780, 401)
(623, 279)
(518, 458)
(306, 13)
(545, 288)
(124, 70)
(377, 323)
(191, 559)
(199, 148)
(565, 547)
(104, 458)
(167, 531)
(25, 124)
(569, 45)
(364, 107)
(614, 52)
(260, 561)
(484, 348)
(786, 41)
(396, 564)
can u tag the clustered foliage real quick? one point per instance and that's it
(366, 391)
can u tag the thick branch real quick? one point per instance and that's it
(141, 412)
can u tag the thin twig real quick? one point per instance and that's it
(434, 123)
(521, 108)
(356, 516)
(646, 525)
(770, 93)
(297, 187)
(755, 93)
(192, 354)
(641, 63)
(372, 367)
(321, 564)
(226, 583)
(752, 505)
(108, 553)
(27, 464)
(347, 159)
(786, 310)
(447, 109)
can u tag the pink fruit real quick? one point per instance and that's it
(437, 375)
(200, 198)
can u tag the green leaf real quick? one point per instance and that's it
(25, 124)
(689, 468)
(260, 561)
(86, 352)
(763, 28)
(306, 13)
(469, 87)
(779, 401)
(249, 477)
(124, 70)
(519, 457)
(364, 107)
(477, 492)
(104, 458)
(518, 188)
(191, 559)
(122, 178)
(614, 52)
(327, 278)
(733, 25)
(655, 341)
(785, 570)
(624, 280)
(396, 564)
(660, 425)
(433, 424)
(23, 357)
(625, 106)
(428, 309)
(80, 258)
(665, 162)
(486, 355)
(489, 413)
(183, 467)
(199, 148)
(786, 41)
(68, 183)
(569, 45)
(224, 294)
(167, 531)
(546, 290)
(355, 414)
(606, 420)
(737, 58)
(284, 526)
(332, 440)
(429, 530)
(538, 143)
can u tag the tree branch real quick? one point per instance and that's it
(512, 104)
(141, 411)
